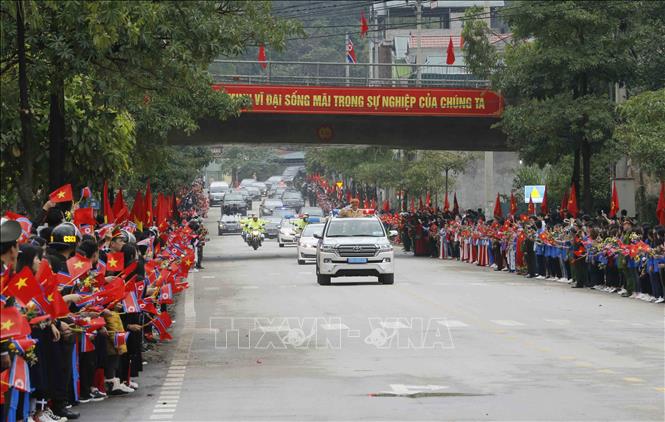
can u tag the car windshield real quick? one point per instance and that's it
(284, 211)
(218, 189)
(311, 229)
(355, 228)
(273, 204)
(315, 212)
(272, 220)
(287, 224)
(229, 219)
(233, 197)
(292, 195)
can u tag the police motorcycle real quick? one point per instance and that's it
(254, 238)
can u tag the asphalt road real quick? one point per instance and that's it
(257, 339)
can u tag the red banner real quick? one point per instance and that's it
(368, 101)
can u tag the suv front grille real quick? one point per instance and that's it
(351, 251)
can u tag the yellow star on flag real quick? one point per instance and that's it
(112, 262)
(7, 325)
(21, 283)
(188, 262)
(78, 265)
(50, 297)
(61, 194)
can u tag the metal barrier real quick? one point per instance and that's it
(341, 74)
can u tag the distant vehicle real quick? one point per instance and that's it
(284, 212)
(312, 211)
(308, 243)
(217, 191)
(246, 182)
(278, 192)
(229, 224)
(247, 197)
(355, 247)
(272, 181)
(293, 170)
(293, 199)
(272, 226)
(262, 187)
(254, 192)
(268, 205)
(234, 203)
(288, 233)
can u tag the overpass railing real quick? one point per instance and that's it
(341, 74)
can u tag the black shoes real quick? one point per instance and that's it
(66, 413)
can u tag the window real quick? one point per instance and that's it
(355, 228)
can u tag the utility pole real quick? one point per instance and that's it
(419, 58)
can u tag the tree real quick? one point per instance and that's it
(556, 77)
(141, 62)
(246, 161)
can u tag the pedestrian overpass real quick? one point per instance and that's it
(315, 103)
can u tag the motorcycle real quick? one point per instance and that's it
(254, 239)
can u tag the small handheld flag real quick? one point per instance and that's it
(62, 194)
(350, 52)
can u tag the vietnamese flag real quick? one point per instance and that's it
(446, 204)
(44, 272)
(363, 25)
(118, 202)
(450, 54)
(13, 323)
(498, 212)
(544, 207)
(62, 194)
(455, 204)
(261, 57)
(147, 206)
(660, 208)
(115, 261)
(513, 204)
(386, 206)
(84, 216)
(78, 265)
(531, 210)
(564, 205)
(137, 212)
(23, 285)
(428, 200)
(58, 307)
(614, 204)
(572, 202)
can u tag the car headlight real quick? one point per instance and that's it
(327, 248)
(384, 247)
(221, 226)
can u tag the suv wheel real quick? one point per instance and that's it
(323, 280)
(301, 262)
(387, 278)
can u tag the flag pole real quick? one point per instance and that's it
(346, 59)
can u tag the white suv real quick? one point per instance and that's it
(354, 247)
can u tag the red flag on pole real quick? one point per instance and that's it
(660, 208)
(147, 220)
(544, 207)
(119, 204)
(386, 205)
(108, 211)
(498, 212)
(412, 205)
(564, 205)
(62, 194)
(614, 203)
(455, 204)
(262, 56)
(23, 286)
(446, 204)
(138, 212)
(420, 203)
(531, 210)
(363, 25)
(450, 59)
(513, 204)
(428, 200)
(572, 202)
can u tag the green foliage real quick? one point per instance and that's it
(245, 161)
(479, 54)
(641, 133)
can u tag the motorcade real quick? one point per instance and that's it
(247, 197)
(229, 224)
(312, 212)
(263, 188)
(272, 226)
(246, 182)
(216, 192)
(234, 203)
(273, 181)
(288, 233)
(307, 243)
(293, 199)
(351, 247)
(284, 212)
(268, 206)
(254, 192)
(277, 192)
(254, 238)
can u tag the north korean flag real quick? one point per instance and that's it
(19, 375)
(166, 294)
(130, 303)
(120, 339)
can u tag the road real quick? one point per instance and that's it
(447, 341)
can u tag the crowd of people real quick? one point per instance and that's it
(612, 254)
(85, 293)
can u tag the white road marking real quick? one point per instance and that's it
(249, 287)
(451, 323)
(177, 367)
(208, 276)
(165, 405)
(211, 289)
(403, 390)
(558, 321)
(160, 417)
(506, 322)
(392, 324)
(479, 284)
(172, 383)
(163, 410)
(334, 326)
